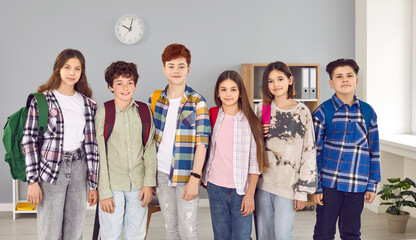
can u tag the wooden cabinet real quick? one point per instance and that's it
(306, 82)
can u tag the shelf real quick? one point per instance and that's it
(305, 74)
(16, 200)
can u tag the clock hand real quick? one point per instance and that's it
(126, 27)
(131, 23)
(126, 34)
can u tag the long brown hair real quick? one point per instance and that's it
(267, 96)
(55, 80)
(245, 106)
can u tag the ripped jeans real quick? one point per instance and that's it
(180, 216)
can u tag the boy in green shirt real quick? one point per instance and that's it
(127, 166)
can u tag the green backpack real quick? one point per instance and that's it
(13, 132)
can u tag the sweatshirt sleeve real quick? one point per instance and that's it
(308, 178)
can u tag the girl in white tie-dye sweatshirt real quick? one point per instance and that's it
(291, 173)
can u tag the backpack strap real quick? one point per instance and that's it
(366, 110)
(110, 118)
(213, 113)
(265, 113)
(153, 100)
(329, 112)
(43, 109)
(144, 113)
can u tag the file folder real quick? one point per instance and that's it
(301, 75)
(312, 83)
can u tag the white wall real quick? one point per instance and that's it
(384, 52)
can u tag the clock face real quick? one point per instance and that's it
(129, 29)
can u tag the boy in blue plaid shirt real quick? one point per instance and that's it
(348, 156)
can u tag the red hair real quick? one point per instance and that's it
(174, 51)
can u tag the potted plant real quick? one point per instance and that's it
(398, 194)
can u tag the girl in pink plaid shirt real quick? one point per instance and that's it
(235, 160)
(59, 170)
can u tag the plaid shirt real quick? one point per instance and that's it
(193, 128)
(348, 155)
(244, 151)
(47, 167)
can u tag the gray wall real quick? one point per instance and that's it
(220, 34)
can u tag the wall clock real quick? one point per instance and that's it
(129, 29)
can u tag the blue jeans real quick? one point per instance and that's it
(128, 210)
(274, 216)
(227, 220)
(344, 206)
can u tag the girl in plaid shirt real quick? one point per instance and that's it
(67, 160)
(235, 160)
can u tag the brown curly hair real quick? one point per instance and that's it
(121, 68)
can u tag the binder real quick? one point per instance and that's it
(301, 75)
(312, 83)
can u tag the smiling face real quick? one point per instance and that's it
(176, 71)
(70, 73)
(278, 83)
(228, 93)
(123, 89)
(344, 81)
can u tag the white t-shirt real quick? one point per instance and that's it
(165, 152)
(74, 119)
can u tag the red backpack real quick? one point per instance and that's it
(110, 117)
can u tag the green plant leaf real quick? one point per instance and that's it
(393, 180)
(409, 204)
(386, 203)
(410, 182)
(393, 210)
(408, 193)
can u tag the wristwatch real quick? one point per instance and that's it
(196, 175)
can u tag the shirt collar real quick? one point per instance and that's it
(188, 91)
(240, 115)
(132, 103)
(338, 103)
